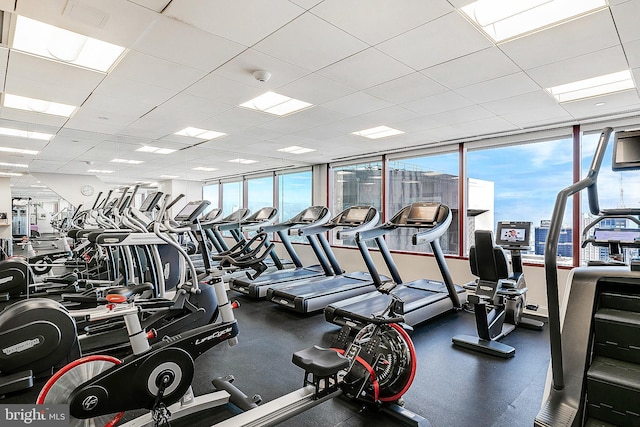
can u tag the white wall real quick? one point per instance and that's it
(192, 190)
(68, 187)
(5, 207)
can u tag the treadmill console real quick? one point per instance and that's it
(355, 215)
(264, 214)
(212, 215)
(192, 211)
(423, 213)
(237, 215)
(513, 234)
(310, 215)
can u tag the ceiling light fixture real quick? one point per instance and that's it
(131, 162)
(51, 42)
(596, 86)
(156, 150)
(25, 134)
(204, 169)
(378, 132)
(102, 171)
(294, 149)
(18, 150)
(37, 105)
(506, 19)
(38, 186)
(10, 174)
(200, 133)
(169, 176)
(15, 165)
(243, 161)
(274, 103)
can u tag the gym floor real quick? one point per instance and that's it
(453, 387)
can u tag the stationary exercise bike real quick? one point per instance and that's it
(376, 368)
(499, 298)
(37, 336)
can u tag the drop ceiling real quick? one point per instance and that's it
(413, 65)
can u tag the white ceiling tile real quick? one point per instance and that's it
(223, 90)
(502, 87)
(123, 21)
(310, 42)
(538, 100)
(241, 69)
(309, 118)
(139, 67)
(388, 116)
(178, 42)
(306, 4)
(155, 5)
(582, 67)
(236, 119)
(32, 117)
(365, 69)
(626, 17)
(485, 126)
(315, 89)
(486, 64)
(419, 124)
(463, 115)
(357, 16)
(441, 102)
(356, 104)
(590, 33)
(441, 40)
(617, 102)
(632, 50)
(40, 78)
(4, 58)
(407, 88)
(259, 18)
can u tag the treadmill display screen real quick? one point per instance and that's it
(309, 215)
(513, 233)
(626, 151)
(356, 215)
(419, 213)
(264, 213)
(213, 214)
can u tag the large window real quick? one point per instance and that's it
(259, 193)
(211, 193)
(359, 184)
(431, 178)
(615, 190)
(520, 183)
(231, 197)
(294, 191)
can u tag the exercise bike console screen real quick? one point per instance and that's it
(191, 211)
(420, 213)
(513, 233)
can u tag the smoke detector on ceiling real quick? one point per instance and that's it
(262, 75)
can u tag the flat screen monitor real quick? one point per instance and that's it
(513, 233)
(623, 235)
(626, 151)
(356, 215)
(423, 213)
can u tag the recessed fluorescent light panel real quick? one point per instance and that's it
(42, 39)
(25, 134)
(506, 19)
(200, 133)
(169, 176)
(596, 86)
(378, 132)
(274, 103)
(37, 105)
(204, 169)
(101, 171)
(149, 149)
(243, 161)
(130, 162)
(294, 149)
(38, 186)
(15, 165)
(10, 174)
(18, 150)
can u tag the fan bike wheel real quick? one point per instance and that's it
(394, 362)
(60, 386)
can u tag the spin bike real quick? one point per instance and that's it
(375, 368)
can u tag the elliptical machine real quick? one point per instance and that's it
(499, 297)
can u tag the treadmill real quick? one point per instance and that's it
(310, 217)
(309, 295)
(422, 299)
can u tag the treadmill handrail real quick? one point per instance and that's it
(347, 232)
(430, 235)
(551, 252)
(374, 232)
